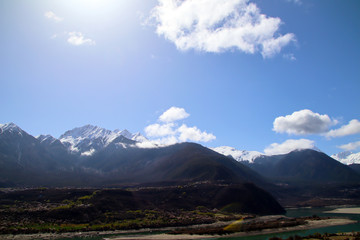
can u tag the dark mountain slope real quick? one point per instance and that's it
(355, 167)
(179, 162)
(22, 158)
(304, 166)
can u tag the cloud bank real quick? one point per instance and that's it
(169, 132)
(159, 130)
(288, 146)
(219, 25)
(303, 122)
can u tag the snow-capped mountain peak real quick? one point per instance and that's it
(238, 155)
(88, 139)
(125, 133)
(347, 157)
(11, 128)
(87, 131)
(46, 139)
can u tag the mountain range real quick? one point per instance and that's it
(95, 156)
(91, 156)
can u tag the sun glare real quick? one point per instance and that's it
(95, 6)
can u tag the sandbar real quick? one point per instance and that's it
(345, 210)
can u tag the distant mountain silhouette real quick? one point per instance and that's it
(303, 166)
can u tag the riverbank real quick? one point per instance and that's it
(151, 233)
(310, 224)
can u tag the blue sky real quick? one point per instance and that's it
(122, 64)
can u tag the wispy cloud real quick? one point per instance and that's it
(77, 39)
(350, 146)
(288, 146)
(53, 16)
(353, 127)
(298, 2)
(168, 131)
(289, 56)
(219, 25)
(303, 122)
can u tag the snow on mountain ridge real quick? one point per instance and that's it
(238, 155)
(10, 127)
(89, 138)
(46, 138)
(347, 157)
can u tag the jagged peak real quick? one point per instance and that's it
(46, 138)
(10, 127)
(88, 130)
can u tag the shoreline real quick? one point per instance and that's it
(139, 234)
(311, 224)
(353, 210)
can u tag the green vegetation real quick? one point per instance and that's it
(244, 226)
(70, 210)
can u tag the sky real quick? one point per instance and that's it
(261, 75)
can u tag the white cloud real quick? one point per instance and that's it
(52, 15)
(303, 122)
(288, 146)
(88, 153)
(353, 127)
(146, 144)
(159, 130)
(194, 134)
(77, 39)
(173, 114)
(168, 132)
(219, 25)
(166, 140)
(350, 146)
